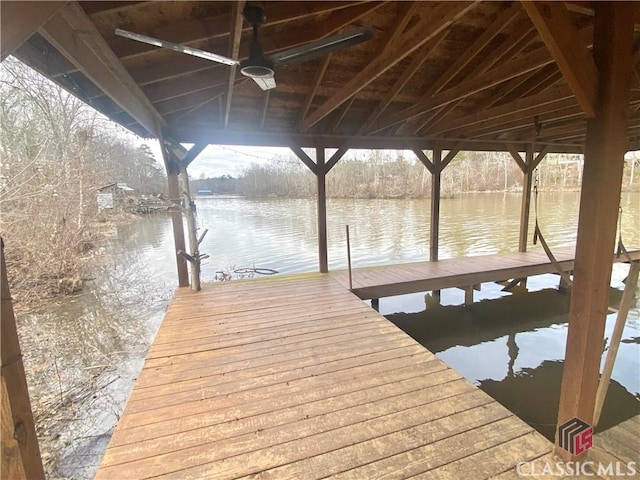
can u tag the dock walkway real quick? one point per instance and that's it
(295, 377)
(388, 280)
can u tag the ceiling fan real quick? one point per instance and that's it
(257, 66)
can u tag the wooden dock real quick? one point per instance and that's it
(618, 444)
(295, 377)
(388, 280)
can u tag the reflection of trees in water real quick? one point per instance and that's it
(534, 395)
(82, 356)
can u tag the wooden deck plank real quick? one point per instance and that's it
(620, 443)
(291, 377)
(288, 414)
(304, 431)
(429, 455)
(257, 402)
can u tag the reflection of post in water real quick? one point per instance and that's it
(432, 299)
(375, 304)
(513, 349)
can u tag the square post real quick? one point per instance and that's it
(435, 205)
(525, 209)
(606, 143)
(322, 210)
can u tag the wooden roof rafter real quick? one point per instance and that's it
(466, 88)
(234, 50)
(570, 52)
(425, 92)
(442, 16)
(338, 23)
(91, 55)
(426, 122)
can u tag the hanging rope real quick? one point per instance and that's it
(537, 233)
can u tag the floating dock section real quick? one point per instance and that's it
(465, 273)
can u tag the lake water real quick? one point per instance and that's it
(510, 344)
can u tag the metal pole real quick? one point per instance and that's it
(349, 259)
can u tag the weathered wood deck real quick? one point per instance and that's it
(618, 444)
(294, 377)
(389, 280)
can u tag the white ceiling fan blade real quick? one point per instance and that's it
(324, 46)
(177, 47)
(265, 83)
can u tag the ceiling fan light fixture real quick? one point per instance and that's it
(257, 65)
(257, 71)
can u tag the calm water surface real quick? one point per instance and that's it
(512, 345)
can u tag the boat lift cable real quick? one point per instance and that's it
(537, 234)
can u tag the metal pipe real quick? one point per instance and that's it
(349, 259)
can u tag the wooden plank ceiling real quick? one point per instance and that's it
(474, 74)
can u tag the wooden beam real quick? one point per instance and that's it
(466, 88)
(173, 183)
(344, 109)
(337, 156)
(201, 132)
(401, 19)
(516, 156)
(408, 73)
(72, 33)
(626, 302)
(525, 209)
(434, 237)
(450, 156)
(501, 22)
(561, 37)
(20, 425)
(12, 464)
(321, 70)
(606, 144)
(234, 47)
(509, 47)
(193, 152)
(196, 31)
(186, 84)
(321, 172)
(505, 126)
(20, 19)
(542, 153)
(516, 111)
(425, 161)
(443, 15)
(306, 159)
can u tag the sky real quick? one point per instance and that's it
(218, 160)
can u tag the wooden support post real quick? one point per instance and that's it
(22, 460)
(616, 337)
(322, 209)
(468, 296)
(176, 214)
(435, 205)
(527, 184)
(605, 146)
